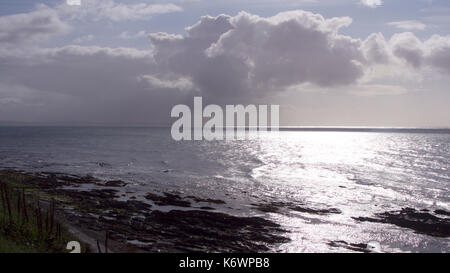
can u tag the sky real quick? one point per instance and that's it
(326, 63)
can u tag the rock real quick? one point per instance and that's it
(138, 205)
(217, 232)
(270, 207)
(442, 212)
(97, 210)
(316, 211)
(420, 222)
(352, 247)
(207, 200)
(115, 183)
(275, 207)
(168, 199)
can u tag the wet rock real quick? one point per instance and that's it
(168, 199)
(104, 165)
(420, 222)
(277, 207)
(138, 205)
(442, 212)
(316, 211)
(212, 231)
(350, 246)
(97, 210)
(207, 200)
(103, 194)
(270, 207)
(115, 183)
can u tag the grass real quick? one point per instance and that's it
(7, 246)
(25, 225)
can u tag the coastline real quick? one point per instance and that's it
(98, 219)
(92, 212)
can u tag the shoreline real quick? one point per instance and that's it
(135, 226)
(90, 209)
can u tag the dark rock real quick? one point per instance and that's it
(316, 211)
(350, 246)
(217, 231)
(115, 183)
(137, 205)
(442, 212)
(96, 211)
(168, 199)
(275, 207)
(207, 200)
(103, 164)
(270, 207)
(420, 222)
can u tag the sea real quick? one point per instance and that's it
(359, 171)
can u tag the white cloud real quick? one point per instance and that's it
(73, 2)
(433, 53)
(249, 55)
(128, 36)
(83, 39)
(114, 11)
(30, 27)
(376, 49)
(408, 25)
(372, 3)
(179, 83)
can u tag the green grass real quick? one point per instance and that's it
(25, 225)
(7, 246)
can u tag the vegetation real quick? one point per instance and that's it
(27, 223)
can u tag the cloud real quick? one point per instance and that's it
(226, 59)
(405, 47)
(114, 11)
(372, 3)
(83, 39)
(128, 36)
(86, 83)
(438, 53)
(30, 27)
(178, 83)
(376, 49)
(408, 25)
(45, 21)
(408, 47)
(249, 55)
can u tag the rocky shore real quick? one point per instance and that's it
(95, 211)
(135, 226)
